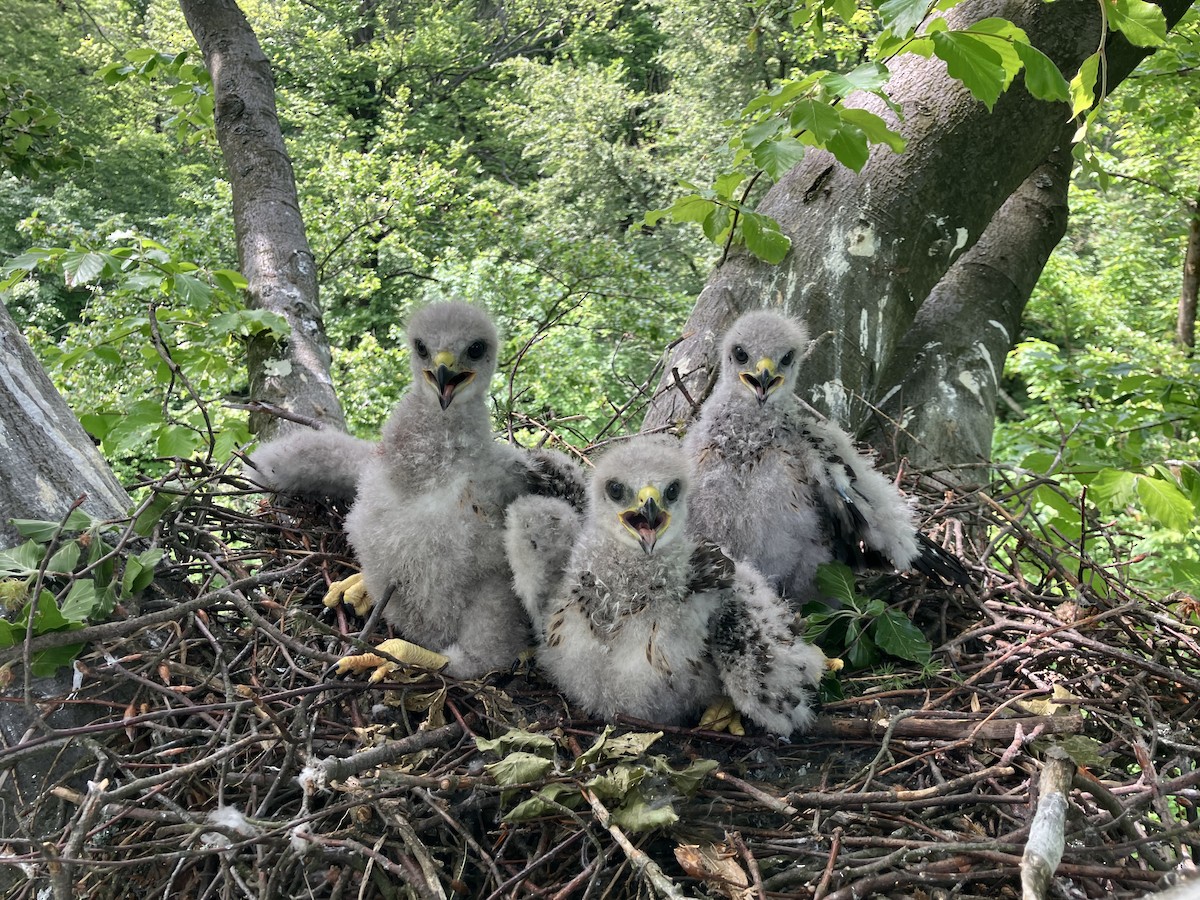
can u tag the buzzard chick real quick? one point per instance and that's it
(427, 522)
(784, 491)
(641, 619)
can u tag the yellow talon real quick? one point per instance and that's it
(721, 716)
(833, 664)
(352, 592)
(408, 653)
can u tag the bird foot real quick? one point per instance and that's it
(721, 716)
(407, 653)
(352, 592)
(834, 664)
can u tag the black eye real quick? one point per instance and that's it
(476, 350)
(787, 358)
(615, 490)
(422, 350)
(740, 356)
(671, 494)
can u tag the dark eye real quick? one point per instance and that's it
(740, 356)
(787, 358)
(422, 350)
(615, 490)
(476, 350)
(671, 494)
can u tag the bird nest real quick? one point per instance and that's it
(206, 749)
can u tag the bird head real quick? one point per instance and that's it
(761, 352)
(638, 493)
(453, 348)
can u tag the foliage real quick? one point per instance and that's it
(642, 790)
(172, 331)
(857, 629)
(76, 575)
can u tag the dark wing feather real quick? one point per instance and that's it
(551, 474)
(711, 569)
(934, 561)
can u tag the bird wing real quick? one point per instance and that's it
(710, 569)
(764, 667)
(539, 536)
(551, 474)
(871, 524)
(322, 463)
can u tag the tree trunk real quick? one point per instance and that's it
(1185, 322)
(47, 459)
(272, 248)
(869, 247)
(942, 382)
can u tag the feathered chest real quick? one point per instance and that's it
(612, 590)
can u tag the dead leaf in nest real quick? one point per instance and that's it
(714, 863)
(1061, 702)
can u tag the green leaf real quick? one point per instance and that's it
(43, 532)
(762, 131)
(875, 128)
(973, 62)
(1142, 23)
(1166, 503)
(178, 440)
(46, 662)
(630, 745)
(64, 560)
(617, 782)
(818, 118)
(860, 649)
(82, 267)
(777, 157)
(870, 76)
(148, 517)
(21, 561)
(139, 572)
(515, 738)
(519, 767)
(641, 813)
(901, 17)
(716, 225)
(835, 580)
(81, 601)
(849, 145)
(194, 292)
(1083, 750)
(1083, 85)
(692, 208)
(546, 801)
(895, 634)
(764, 239)
(1042, 77)
(1112, 487)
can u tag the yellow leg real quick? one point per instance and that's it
(721, 716)
(352, 592)
(408, 653)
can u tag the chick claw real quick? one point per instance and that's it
(350, 591)
(721, 716)
(408, 653)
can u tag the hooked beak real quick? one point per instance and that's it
(646, 520)
(765, 381)
(445, 379)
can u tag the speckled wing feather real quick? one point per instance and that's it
(711, 569)
(323, 463)
(554, 474)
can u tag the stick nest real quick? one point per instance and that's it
(206, 749)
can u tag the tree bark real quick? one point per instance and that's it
(1185, 321)
(869, 247)
(272, 248)
(945, 372)
(47, 459)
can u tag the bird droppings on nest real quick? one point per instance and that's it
(214, 695)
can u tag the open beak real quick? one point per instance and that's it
(647, 520)
(765, 381)
(445, 379)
